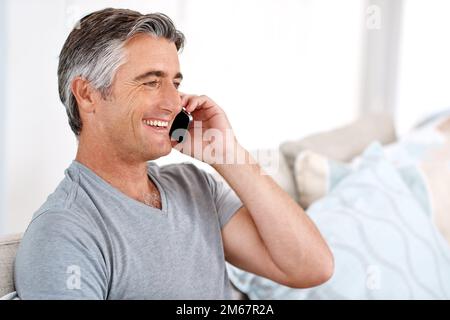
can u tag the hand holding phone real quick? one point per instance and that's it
(180, 126)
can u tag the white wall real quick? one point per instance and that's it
(3, 63)
(38, 142)
(379, 65)
(424, 78)
(280, 69)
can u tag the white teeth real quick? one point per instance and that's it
(156, 123)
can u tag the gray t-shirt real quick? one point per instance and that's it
(91, 241)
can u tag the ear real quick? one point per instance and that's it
(85, 95)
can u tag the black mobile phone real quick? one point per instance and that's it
(180, 125)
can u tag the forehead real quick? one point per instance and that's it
(144, 52)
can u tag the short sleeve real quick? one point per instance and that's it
(226, 200)
(58, 258)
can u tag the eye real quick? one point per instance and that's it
(151, 83)
(177, 84)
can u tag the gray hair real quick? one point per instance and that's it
(94, 51)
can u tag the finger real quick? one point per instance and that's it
(186, 100)
(191, 104)
(199, 102)
(183, 97)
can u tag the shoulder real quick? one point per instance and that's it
(56, 237)
(59, 226)
(63, 199)
(60, 210)
(55, 242)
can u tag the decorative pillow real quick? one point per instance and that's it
(422, 157)
(384, 244)
(315, 176)
(436, 169)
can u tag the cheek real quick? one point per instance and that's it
(125, 111)
(111, 119)
(133, 104)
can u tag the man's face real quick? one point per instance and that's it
(144, 89)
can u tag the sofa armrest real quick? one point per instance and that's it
(346, 142)
(8, 248)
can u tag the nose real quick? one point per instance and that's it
(171, 99)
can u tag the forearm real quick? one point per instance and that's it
(291, 238)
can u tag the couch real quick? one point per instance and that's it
(8, 248)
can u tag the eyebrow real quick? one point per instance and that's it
(156, 73)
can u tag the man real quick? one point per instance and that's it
(120, 227)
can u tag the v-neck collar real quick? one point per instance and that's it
(151, 175)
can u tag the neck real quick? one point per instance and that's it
(125, 174)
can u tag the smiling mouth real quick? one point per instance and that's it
(157, 126)
(156, 123)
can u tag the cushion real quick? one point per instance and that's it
(315, 175)
(8, 248)
(436, 169)
(384, 244)
(344, 143)
(422, 158)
